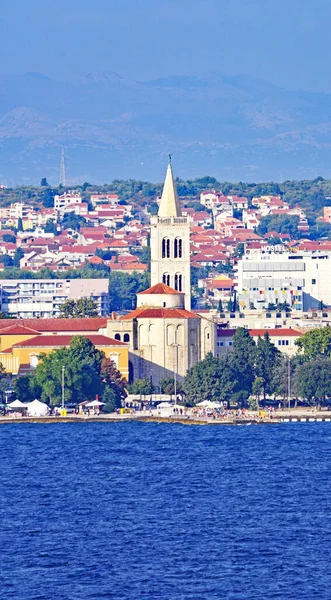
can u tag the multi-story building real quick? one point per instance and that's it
(29, 298)
(301, 280)
(283, 339)
(69, 197)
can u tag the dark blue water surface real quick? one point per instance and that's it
(141, 510)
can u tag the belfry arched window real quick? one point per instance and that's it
(165, 248)
(166, 278)
(178, 248)
(178, 282)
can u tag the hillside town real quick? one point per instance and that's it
(211, 271)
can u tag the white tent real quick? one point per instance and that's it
(37, 409)
(209, 404)
(95, 403)
(165, 405)
(17, 404)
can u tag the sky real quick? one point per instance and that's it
(285, 42)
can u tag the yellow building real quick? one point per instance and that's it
(21, 347)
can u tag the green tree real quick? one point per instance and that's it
(44, 182)
(17, 257)
(9, 239)
(267, 358)
(82, 372)
(167, 385)
(47, 198)
(315, 343)
(83, 307)
(211, 379)
(113, 378)
(242, 359)
(26, 388)
(72, 221)
(19, 224)
(50, 227)
(141, 387)
(312, 381)
(123, 288)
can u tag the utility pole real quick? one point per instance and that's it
(63, 178)
(63, 371)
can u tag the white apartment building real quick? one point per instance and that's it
(69, 197)
(28, 298)
(303, 280)
(16, 210)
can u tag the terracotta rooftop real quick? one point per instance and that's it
(160, 288)
(58, 325)
(18, 329)
(286, 332)
(57, 341)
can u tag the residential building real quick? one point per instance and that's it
(283, 339)
(28, 298)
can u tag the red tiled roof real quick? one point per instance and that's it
(18, 329)
(159, 313)
(286, 332)
(160, 288)
(50, 341)
(50, 325)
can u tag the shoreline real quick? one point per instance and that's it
(293, 416)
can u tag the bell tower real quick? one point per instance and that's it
(170, 242)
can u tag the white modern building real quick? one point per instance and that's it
(42, 298)
(302, 280)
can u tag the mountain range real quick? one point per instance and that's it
(233, 128)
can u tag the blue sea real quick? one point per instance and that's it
(130, 511)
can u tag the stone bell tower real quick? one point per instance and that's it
(170, 242)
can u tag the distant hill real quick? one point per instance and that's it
(236, 128)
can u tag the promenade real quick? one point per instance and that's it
(306, 415)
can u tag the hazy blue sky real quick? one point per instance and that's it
(286, 42)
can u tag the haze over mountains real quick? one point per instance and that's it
(234, 128)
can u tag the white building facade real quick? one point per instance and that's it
(42, 298)
(302, 280)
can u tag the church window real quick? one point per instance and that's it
(166, 278)
(178, 248)
(126, 337)
(165, 248)
(117, 337)
(178, 282)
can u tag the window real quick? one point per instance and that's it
(178, 248)
(230, 343)
(166, 278)
(126, 337)
(165, 248)
(313, 281)
(117, 337)
(178, 282)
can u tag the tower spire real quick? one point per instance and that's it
(169, 205)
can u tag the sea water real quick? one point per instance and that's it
(171, 512)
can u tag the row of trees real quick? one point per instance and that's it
(260, 370)
(87, 373)
(252, 371)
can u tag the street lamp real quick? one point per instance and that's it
(175, 372)
(63, 371)
(289, 382)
